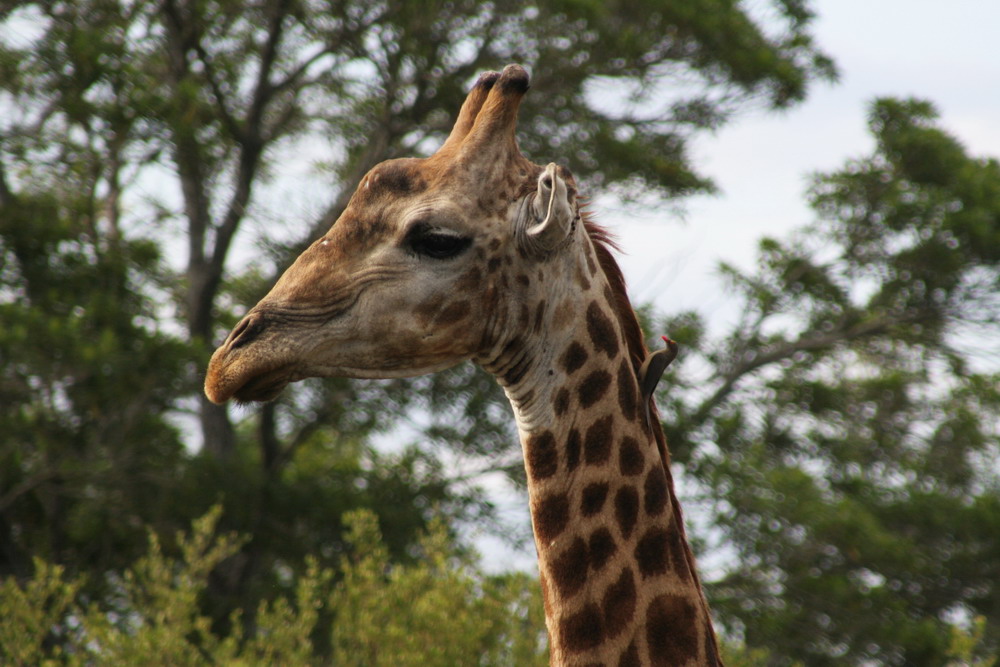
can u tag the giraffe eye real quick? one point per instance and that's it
(437, 244)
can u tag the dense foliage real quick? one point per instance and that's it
(846, 432)
(438, 611)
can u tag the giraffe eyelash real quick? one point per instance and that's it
(435, 242)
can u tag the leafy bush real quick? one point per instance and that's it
(442, 610)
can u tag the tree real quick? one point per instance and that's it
(846, 431)
(205, 93)
(87, 375)
(137, 142)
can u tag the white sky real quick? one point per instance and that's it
(945, 52)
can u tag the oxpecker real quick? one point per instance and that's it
(652, 370)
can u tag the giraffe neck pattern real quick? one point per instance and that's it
(618, 578)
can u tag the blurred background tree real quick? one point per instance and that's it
(138, 141)
(843, 433)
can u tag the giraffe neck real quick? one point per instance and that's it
(617, 575)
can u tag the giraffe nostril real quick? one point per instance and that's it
(249, 328)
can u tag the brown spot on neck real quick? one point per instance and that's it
(550, 516)
(569, 569)
(542, 455)
(583, 630)
(671, 632)
(597, 442)
(630, 459)
(628, 391)
(593, 387)
(593, 497)
(619, 603)
(573, 358)
(627, 510)
(601, 330)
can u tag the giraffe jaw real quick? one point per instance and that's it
(229, 379)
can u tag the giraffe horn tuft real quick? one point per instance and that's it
(470, 109)
(492, 135)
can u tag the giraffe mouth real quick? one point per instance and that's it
(264, 387)
(247, 378)
(248, 388)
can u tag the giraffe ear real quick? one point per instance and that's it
(554, 210)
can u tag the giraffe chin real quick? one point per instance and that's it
(264, 388)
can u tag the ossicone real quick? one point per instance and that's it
(485, 127)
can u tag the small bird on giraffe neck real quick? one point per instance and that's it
(652, 370)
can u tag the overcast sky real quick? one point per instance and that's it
(945, 52)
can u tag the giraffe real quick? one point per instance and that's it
(475, 253)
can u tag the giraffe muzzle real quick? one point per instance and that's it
(243, 371)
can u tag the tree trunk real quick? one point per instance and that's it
(217, 430)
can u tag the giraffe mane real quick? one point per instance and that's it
(605, 246)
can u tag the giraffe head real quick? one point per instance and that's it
(416, 275)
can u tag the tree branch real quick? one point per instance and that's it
(252, 142)
(228, 120)
(787, 350)
(263, 90)
(6, 196)
(26, 486)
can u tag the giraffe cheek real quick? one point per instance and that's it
(433, 313)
